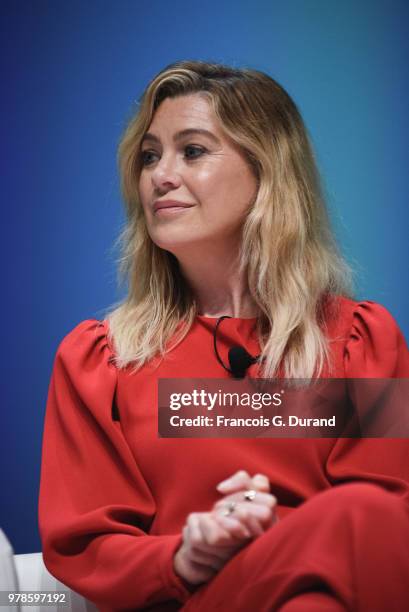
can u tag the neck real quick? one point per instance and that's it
(219, 286)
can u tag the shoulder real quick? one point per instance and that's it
(86, 344)
(372, 343)
(346, 315)
(357, 318)
(84, 378)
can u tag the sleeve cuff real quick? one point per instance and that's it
(174, 583)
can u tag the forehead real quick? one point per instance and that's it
(190, 111)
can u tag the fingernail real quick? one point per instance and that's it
(224, 484)
(261, 480)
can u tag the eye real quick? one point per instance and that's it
(194, 151)
(148, 157)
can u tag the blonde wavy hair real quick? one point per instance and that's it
(288, 251)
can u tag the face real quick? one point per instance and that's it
(195, 184)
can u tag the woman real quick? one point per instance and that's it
(225, 217)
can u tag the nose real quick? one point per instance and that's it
(165, 175)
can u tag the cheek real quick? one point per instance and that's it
(227, 189)
(242, 183)
(142, 188)
(145, 197)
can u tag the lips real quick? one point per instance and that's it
(174, 204)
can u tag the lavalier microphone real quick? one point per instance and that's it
(239, 358)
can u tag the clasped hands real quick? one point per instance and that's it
(210, 539)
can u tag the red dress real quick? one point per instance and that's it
(114, 497)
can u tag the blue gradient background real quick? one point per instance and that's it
(71, 71)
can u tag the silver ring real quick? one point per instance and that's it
(229, 508)
(250, 495)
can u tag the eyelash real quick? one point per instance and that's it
(198, 149)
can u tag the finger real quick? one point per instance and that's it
(252, 524)
(197, 550)
(217, 546)
(192, 533)
(219, 540)
(262, 499)
(261, 482)
(250, 518)
(213, 534)
(197, 538)
(235, 528)
(239, 480)
(204, 559)
(255, 517)
(259, 498)
(244, 523)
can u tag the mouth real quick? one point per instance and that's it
(171, 210)
(169, 207)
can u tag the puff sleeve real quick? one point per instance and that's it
(95, 507)
(375, 348)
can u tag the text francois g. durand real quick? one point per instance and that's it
(255, 401)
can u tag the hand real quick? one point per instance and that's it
(258, 514)
(207, 546)
(210, 539)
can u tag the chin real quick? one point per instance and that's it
(179, 245)
(173, 245)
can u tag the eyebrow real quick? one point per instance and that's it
(179, 135)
